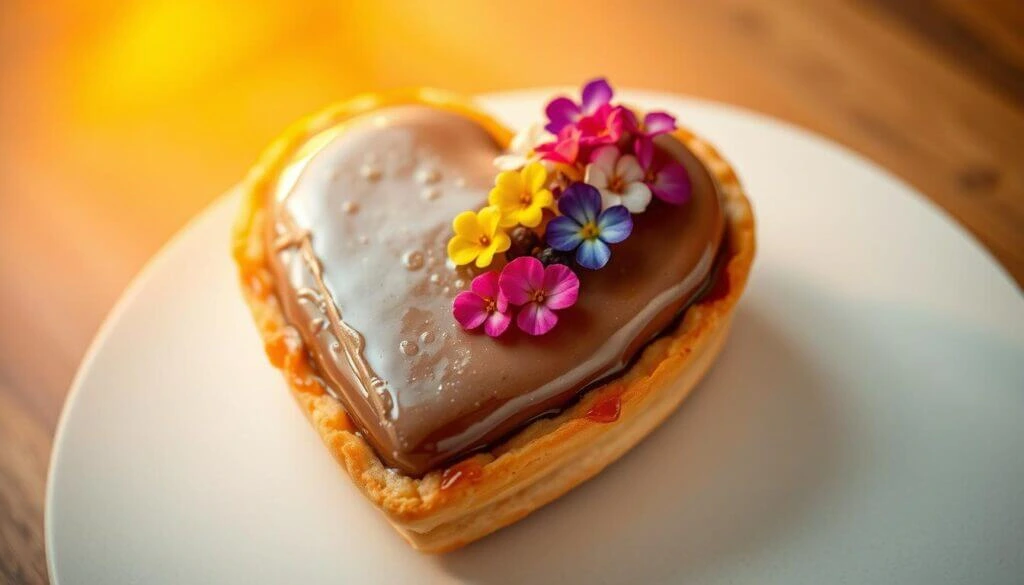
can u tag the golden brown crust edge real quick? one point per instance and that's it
(540, 462)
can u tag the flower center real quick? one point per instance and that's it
(650, 176)
(616, 184)
(485, 241)
(490, 306)
(526, 199)
(538, 296)
(589, 231)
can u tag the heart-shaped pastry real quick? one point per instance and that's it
(342, 251)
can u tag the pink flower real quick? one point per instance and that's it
(484, 304)
(605, 126)
(564, 149)
(667, 179)
(564, 112)
(539, 291)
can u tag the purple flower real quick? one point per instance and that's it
(585, 228)
(667, 179)
(484, 304)
(564, 112)
(654, 124)
(539, 291)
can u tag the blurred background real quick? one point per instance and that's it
(121, 120)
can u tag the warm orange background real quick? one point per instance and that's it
(120, 120)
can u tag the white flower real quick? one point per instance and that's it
(620, 179)
(520, 152)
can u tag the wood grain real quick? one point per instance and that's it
(120, 120)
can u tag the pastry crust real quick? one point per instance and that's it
(446, 509)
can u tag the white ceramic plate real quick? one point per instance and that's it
(865, 423)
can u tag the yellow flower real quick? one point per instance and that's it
(522, 195)
(477, 237)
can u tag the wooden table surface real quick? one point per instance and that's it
(119, 121)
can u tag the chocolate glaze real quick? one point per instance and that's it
(360, 219)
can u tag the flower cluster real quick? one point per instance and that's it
(525, 283)
(563, 196)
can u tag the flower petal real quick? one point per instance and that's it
(644, 149)
(580, 201)
(463, 251)
(501, 242)
(536, 319)
(486, 256)
(485, 285)
(594, 175)
(627, 168)
(544, 199)
(520, 279)
(489, 217)
(561, 286)
(510, 162)
(534, 176)
(672, 185)
(530, 216)
(605, 158)
(466, 225)
(636, 198)
(593, 253)
(610, 199)
(563, 233)
(615, 224)
(524, 140)
(469, 310)
(497, 323)
(561, 112)
(657, 123)
(596, 93)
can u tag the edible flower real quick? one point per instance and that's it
(653, 124)
(539, 291)
(484, 304)
(521, 150)
(583, 227)
(564, 112)
(521, 196)
(667, 179)
(477, 237)
(619, 178)
(605, 126)
(564, 149)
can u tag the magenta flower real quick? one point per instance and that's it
(605, 126)
(654, 124)
(667, 179)
(564, 112)
(564, 149)
(539, 291)
(484, 304)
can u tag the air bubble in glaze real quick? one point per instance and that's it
(370, 172)
(427, 176)
(427, 337)
(349, 207)
(413, 260)
(408, 348)
(430, 193)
